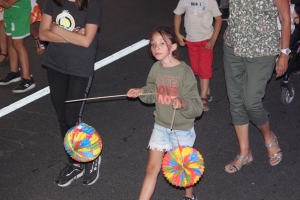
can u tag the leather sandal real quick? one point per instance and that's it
(5, 58)
(244, 160)
(278, 155)
(205, 104)
(40, 47)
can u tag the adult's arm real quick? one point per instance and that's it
(285, 18)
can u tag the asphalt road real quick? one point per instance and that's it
(32, 154)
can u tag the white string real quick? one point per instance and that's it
(174, 112)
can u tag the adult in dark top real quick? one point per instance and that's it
(70, 27)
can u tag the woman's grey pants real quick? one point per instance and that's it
(246, 81)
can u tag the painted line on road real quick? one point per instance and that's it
(43, 92)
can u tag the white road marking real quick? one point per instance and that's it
(43, 92)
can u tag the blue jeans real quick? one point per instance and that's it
(163, 139)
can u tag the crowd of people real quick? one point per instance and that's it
(252, 47)
(16, 23)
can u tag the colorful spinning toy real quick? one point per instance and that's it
(83, 143)
(183, 166)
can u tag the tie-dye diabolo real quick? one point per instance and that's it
(83, 143)
(183, 166)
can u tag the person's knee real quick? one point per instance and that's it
(256, 112)
(152, 169)
(18, 44)
(252, 105)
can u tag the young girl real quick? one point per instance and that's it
(174, 86)
(69, 59)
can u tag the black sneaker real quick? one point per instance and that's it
(69, 174)
(187, 198)
(24, 86)
(11, 77)
(91, 174)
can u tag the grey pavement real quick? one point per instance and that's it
(32, 154)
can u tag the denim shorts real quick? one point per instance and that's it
(163, 139)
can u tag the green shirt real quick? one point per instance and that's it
(168, 83)
(252, 28)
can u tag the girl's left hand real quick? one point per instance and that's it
(178, 103)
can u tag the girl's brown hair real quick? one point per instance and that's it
(80, 4)
(166, 32)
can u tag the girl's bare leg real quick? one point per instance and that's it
(13, 55)
(3, 43)
(189, 192)
(22, 55)
(152, 171)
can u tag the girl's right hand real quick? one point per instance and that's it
(134, 92)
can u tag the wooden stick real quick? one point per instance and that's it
(104, 97)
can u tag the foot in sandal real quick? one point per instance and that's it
(238, 163)
(40, 47)
(205, 104)
(274, 158)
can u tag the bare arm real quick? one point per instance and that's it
(214, 37)
(285, 18)
(54, 33)
(75, 38)
(45, 33)
(177, 22)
